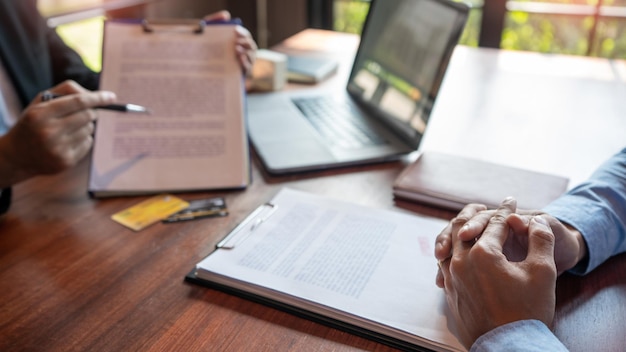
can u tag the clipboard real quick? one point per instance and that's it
(243, 231)
(246, 228)
(237, 266)
(191, 277)
(185, 72)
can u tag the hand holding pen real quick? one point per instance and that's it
(48, 95)
(52, 136)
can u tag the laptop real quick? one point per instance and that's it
(383, 111)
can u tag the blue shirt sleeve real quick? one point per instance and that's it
(597, 209)
(523, 335)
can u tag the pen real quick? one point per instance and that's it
(125, 108)
(196, 215)
(47, 96)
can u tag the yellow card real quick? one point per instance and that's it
(150, 211)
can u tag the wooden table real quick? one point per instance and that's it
(72, 279)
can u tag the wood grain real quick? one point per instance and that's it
(71, 279)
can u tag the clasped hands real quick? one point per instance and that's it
(500, 266)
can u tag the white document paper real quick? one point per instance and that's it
(372, 268)
(195, 137)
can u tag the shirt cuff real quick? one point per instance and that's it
(523, 335)
(568, 209)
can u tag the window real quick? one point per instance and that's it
(80, 22)
(349, 16)
(86, 38)
(579, 27)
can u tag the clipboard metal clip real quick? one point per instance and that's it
(197, 26)
(242, 231)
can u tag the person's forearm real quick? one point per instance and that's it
(10, 173)
(597, 209)
(582, 259)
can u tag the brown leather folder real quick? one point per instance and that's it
(451, 182)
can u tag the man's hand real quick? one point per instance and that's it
(443, 243)
(485, 290)
(51, 136)
(570, 247)
(245, 46)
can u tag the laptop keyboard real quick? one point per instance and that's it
(337, 123)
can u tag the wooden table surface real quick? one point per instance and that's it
(71, 279)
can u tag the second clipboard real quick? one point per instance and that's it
(242, 231)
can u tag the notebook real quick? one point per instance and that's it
(451, 182)
(305, 69)
(384, 109)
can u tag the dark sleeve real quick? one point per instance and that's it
(35, 57)
(5, 200)
(67, 64)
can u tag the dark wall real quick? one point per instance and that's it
(282, 19)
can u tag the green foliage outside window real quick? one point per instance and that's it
(546, 33)
(611, 39)
(350, 15)
(472, 28)
(86, 38)
(524, 31)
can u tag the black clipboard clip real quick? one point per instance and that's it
(197, 26)
(242, 231)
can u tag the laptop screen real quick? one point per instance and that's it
(404, 52)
